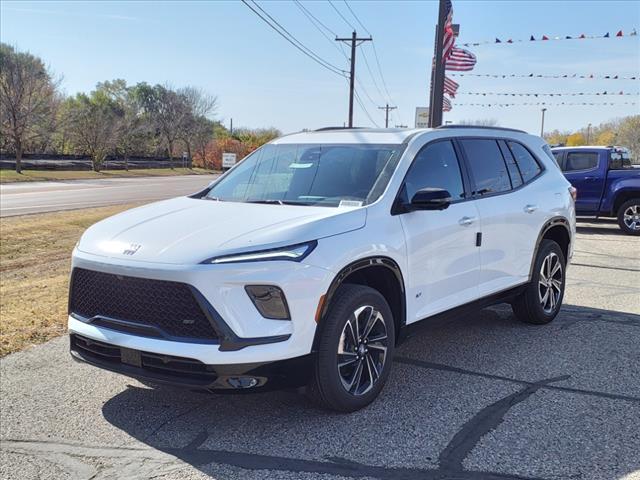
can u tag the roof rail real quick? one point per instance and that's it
(483, 127)
(324, 129)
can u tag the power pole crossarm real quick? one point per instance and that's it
(387, 108)
(352, 76)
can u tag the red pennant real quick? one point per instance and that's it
(582, 36)
(509, 41)
(619, 34)
(544, 37)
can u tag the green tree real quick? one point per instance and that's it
(27, 99)
(94, 124)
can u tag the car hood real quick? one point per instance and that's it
(187, 230)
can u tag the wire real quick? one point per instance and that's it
(342, 16)
(316, 18)
(375, 53)
(293, 40)
(313, 21)
(364, 108)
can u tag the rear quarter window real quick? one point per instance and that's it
(529, 167)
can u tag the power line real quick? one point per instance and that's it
(375, 53)
(316, 18)
(313, 21)
(364, 109)
(284, 33)
(342, 16)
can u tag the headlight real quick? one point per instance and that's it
(294, 253)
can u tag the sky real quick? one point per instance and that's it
(261, 80)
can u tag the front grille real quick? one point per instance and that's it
(150, 365)
(170, 308)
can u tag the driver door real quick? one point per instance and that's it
(444, 261)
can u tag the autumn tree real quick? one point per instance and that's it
(576, 139)
(27, 99)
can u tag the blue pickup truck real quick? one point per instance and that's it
(608, 185)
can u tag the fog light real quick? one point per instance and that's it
(242, 382)
(269, 300)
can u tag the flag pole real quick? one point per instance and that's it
(437, 85)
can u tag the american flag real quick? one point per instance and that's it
(460, 60)
(450, 87)
(449, 38)
(446, 104)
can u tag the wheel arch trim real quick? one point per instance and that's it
(361, 264)
(549, 224)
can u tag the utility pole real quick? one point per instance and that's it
(352, 77)
(386, 116)
(437, 80)
(589, 134)
(231, 127)
(542, 125)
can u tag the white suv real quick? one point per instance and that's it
(307, 263)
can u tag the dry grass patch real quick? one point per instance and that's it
(9, 176)
(35, 260)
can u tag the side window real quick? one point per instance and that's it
(528, 165)
(581, 161)
(512, 166)
(487, 165)
(435, 166)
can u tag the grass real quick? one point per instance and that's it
(35, 253)
(10, 176)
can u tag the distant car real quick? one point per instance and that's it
(309, 260)
(607, 183)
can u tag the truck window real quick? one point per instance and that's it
(581, 161)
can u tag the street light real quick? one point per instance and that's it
(589, 134)
(542, 126)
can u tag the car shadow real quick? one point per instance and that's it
(448, 389)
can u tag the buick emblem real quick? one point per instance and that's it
(131, 249)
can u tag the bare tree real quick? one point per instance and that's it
(27, 99)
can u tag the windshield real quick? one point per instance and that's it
(299, 174)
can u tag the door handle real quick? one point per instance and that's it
(466, 221)
(530, 208)
(590, 179)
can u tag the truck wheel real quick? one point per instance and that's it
(629, 216)
(542, 299)
(355, 350)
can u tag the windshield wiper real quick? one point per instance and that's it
(278, 202)
(215, 199)
(269, 202)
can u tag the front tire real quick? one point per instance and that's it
(355, 350)
(629, 216)
(542, 298)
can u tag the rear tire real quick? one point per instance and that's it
(542, 298)
(355, 350)
(629, 217)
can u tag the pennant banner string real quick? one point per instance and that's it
(546, 38)
(543, 104)
(534, 75)
(516, 94)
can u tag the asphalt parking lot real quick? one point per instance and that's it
(484, 397)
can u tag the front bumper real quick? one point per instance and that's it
(245, 337)
(192, 374)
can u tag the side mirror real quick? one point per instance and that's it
(430, 199)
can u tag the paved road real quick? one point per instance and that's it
(37, 197)
(484, 397)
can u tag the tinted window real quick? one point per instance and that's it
(581, 161)
(487, 166)
(527, 164)
(512, 167)
(436, 166)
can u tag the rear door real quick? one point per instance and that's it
(510, 215)
(583, 169)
